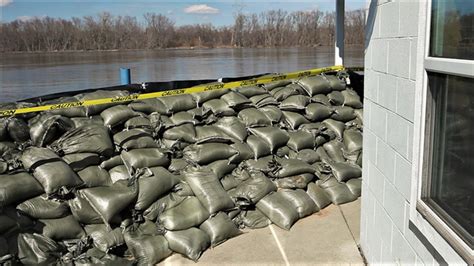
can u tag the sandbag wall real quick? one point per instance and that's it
(135, 182)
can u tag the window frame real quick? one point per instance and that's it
(437, 232)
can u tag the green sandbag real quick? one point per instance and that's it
(6, 224)
(276, 84)
(191, 242)
(291, 167)
(138, 122)
(300, 140)
(45, 127)
(351, 98)
(147, 250)
(323, 155)
(85, 121)
(295, 103)
(293, 182)
(293, 120)
(94, 176)
(300, 201)
(219, 228)
(336, 98)
(338, 192)
(306, 155)
(283, 151)
(322, 99)
(208, 152)
(94, 256)
(148, 228)
(34, 249)
(273, 136)
(233, 127)
(18, 129)
(100, 94)
(335, 83)
(206, 134)
(208, 189)
(110, 201)
(141, 158)
(103, 238)
(249, 91)
(253, 219)
(111, 162)
(235, 99)
(60, 229)
(18, 187)
(3, 129)
(205, 96)
(218, 107)
(148, 106)
(249, 192)
(153, 186)
(83, 212)
(80, 161)
(335, 150)
(282, 93)
(79, 111)
(134, 139)
(318, 112)
(119, 172)
(178, 103)
(182, 118)
(229, 182)
(259, 146)
(252, 117)
(352, 140)
(279, 210)
(221, 167)
(244, 152)
(184, 132)
(359, 114)
(188, 213)
(164, 203)
(91, 138)
(343, 113)
(272, 112)
(117, 115)
(354, 186)
(262, 100)
(315, 85)
(52, 173)
(335, 126)
(183, 189)
(265, 164)
(317, 194)
(41, 207)
(177, 165)
(344, 171)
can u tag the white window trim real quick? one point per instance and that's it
(419, 168)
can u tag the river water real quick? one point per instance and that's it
(29, 75)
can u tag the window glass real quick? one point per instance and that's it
(451, 188)
(452, 29)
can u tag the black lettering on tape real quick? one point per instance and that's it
(248, 82)
(7, 112)
(279, 77)
(214, 87)
(65, 105)
(125, 98)
(304, 74)
(173, 92)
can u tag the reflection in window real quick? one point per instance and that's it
(452, 29)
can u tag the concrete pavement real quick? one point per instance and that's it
(330, 236)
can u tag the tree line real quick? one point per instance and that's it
(276, 28)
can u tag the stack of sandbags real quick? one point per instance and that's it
(98, 184)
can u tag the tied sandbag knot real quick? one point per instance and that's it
(76, 250)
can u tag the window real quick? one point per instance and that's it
(447, 186)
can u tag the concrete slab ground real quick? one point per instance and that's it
(330, 236)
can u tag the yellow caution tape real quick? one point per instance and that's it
(203, 88)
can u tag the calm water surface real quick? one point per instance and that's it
(29, 75)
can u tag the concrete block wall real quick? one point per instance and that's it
(388, 135)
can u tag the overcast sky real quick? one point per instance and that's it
(182, 12)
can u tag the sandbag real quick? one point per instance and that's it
(299, 140)
(183, 189)
(147, 250)
(94, 256)
(60, 229)
(164, 203)
(117, 115)
(18, 187)
(235, 99)
(138, 122)
(190, 212)
(208, 152)
(249, 91)
(100, 94)
(45, 127)
(184, 132)
(83, 212)
(265, 164)
(351, 98)
(206, 134)
(279, 210)
(94, 176)
(272, 112)
(42, 208)
(344, 171)
(219, 228)
(318, 195)
(343, 113)
(3, 129)
(293, 182)
(218, 107)
(354, 186)
(300, 201)
(34, 249)
(229, 182)
(85, 121)
(292, 120)
(282, 93)
(109, 201)
(338, 192)
(153, 186)
(51, 172)
(134, 139)
(91, 138)
(359, 114)
(335, 126)
(103, 238)
(6, 224)
(253, 219)
(178, 103)
(335, 83)
(208, 189)
(291, 167)
(141, 158)
(80, 161)
(295, 103)
(149, 106)
(220, 168)
(191, 242)
(233, 127)
(182, 118)
(244, 152)
(119, 172)
(336, 98)
(317, 112)
(249, 192)
(263, 100)
(18, 129)
(252, 117)
(335, 149)
(177, 165)
(205, 96)
(78, 111)
(276, 84)
(352, 140)
(321, 98)
(259, 146)
(274, 136)
(315, 85)
(306, 155)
